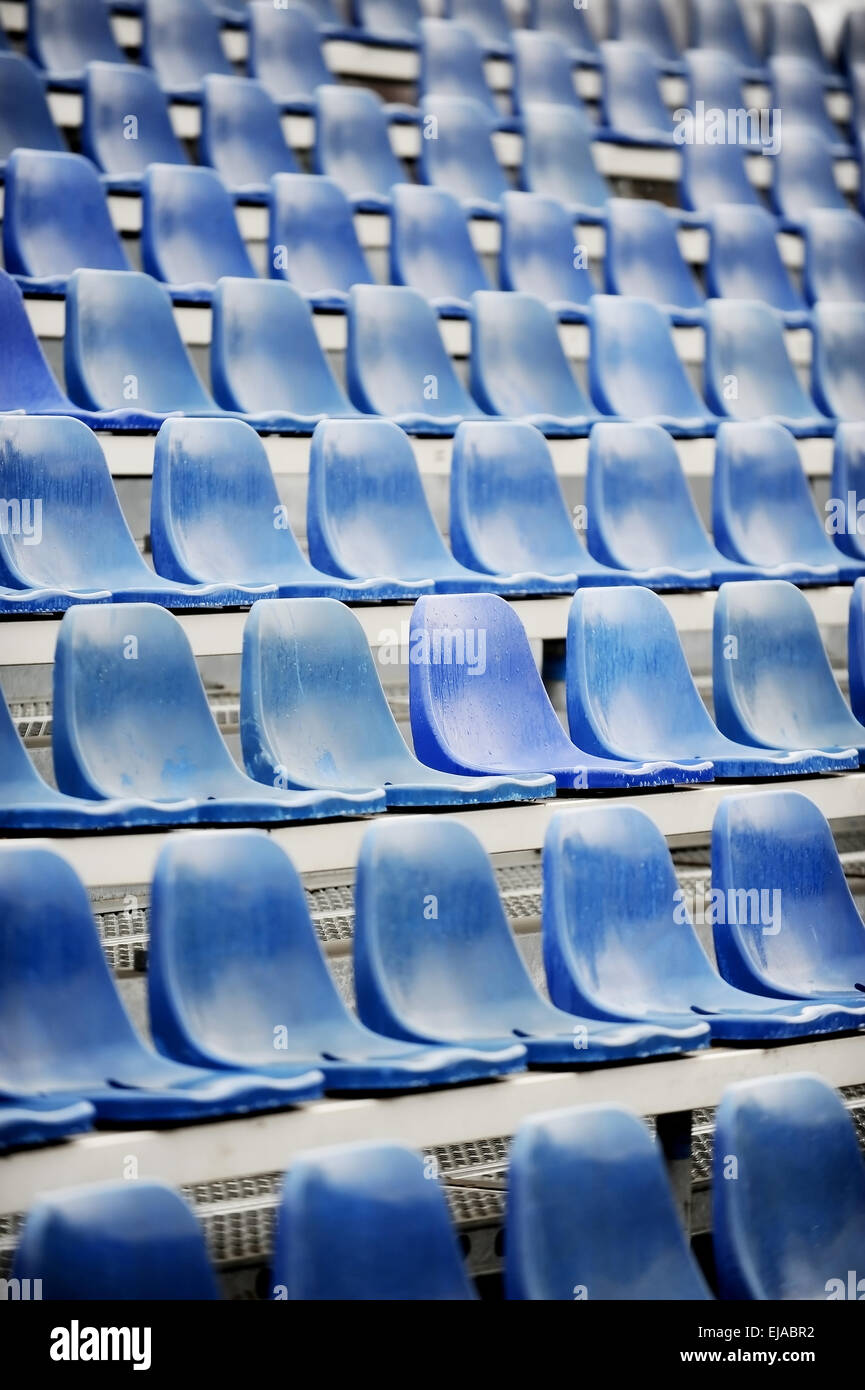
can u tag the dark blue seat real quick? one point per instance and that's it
(793, 1225)
(488, 21)
(126, 124)
(26, 1121)
(189, 233)
(285, 54)
(856, 649)
(834, 255)
(642, 259)
(790, 31)
(431, 248)
(748, 374)
(397, 20)
(461, 978)
(569, 25)
(644, 22)
(352, 145)
(558, 161)
(397, 364)
(62, 38)
(632, 109)
(803, 178)
(713, 175)
(745, 263)
(779, 691)
(719, 26)
(538, 255)
(457, 153)
(847, 525)
(313, 708)
(79, 1042)
(543, 71)
(780, 843)
(313, 241)
(591, 1213)
(365, 1222)
(181, 43)
(25, 119)
(836, 363)
(478, 704)
(635, 372)
(799, 93)
(241, 135)
(452, 64)
(519, 368)
(852, 42)
(131, 719)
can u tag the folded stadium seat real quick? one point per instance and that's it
(181, 42)
(519, 368)
(543, 71)
(793, 1225)
(313, 241)
(642, 259)
(456, 975)
(457, 153)
(748, 374)
(632, 110)
(713, 175)
(790, 32)
(431, 249)
(773, 684)
(391, 21)
(79, 1042)
(715, 79)
(539, 256)
(365, 1222)
(312, 706)
(488, 21)
(241, 136)
(478, 704)
(229, 922)
(397, 364)
(856, 649)
(591, 1213)
(719, 26)
(745, 263)
(569, 25)
(452, 64)
(124, 1240)
(507, 508)
(836, 364)
(26, 1121)
(558, 161)
(834, 268)
(630, 693)
(644, 22)
(285, 54)
(845, 510)
(62, 38)
(798, 92)
(352, 146)
(852, 44)
(25, 119)
(126, 124)
(635, 372)
(189, 233)
(804, 178)
(131, 718)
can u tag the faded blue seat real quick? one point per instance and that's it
(836, 363)
(642, 259)
(632, 109)
(352, 145)
(313, 710)
(793, 1224)
(241, 135)
(591, 1213)
(713, 175)
(25, 118)
(478, 704)
(328, 18)
(856, 649)
(778, 690)
(748, 373)
(644, 22)
(313, 241)
(131, 719)
(365, 1222)
(26, 1121)
(457, 153)
(456, 974)
(558, 161)
(719, 26)
(189, 233)
(803, 178)
(543, 71)
(799, 93)
(745, 263)
(847, 525)
(452, 64)
(519, 368)
(834, 255)
(537, 255)
(79, 1042)
(715, 79)
(635, 372)
(431, 248)
(488, 21)
(285, 54)
(181, 43)
(126, 124)
(790, 31)
(62, 38)
(398, 20)
(567, 24)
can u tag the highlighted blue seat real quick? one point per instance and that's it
(644, 22)
(591, 1213)
(839, 344)
(558, 161)
(456, 974)
(115, 1240)
(538, 255)
(313, 710)
(394, 20)
(189, 233)
(569, 25)
(748, 372)
(845, 511)
(79, 1043)
(834, 255)
(457, 153)
(804, 178)
(715, 80)
(478, 704)
(181, 43)
(719, 26)
(62, 38)
(543, 71)
(452, 64)
(241, 136)
(313, 241)
(642, 259)
(793, 1224)
(27, 1121)
(126, 124)
(365, 1222)
(799, 93)
(856, 649)
(431, 249)
(713, 175)
(632, 109)
(131, 719)
(352, 146)
(790, 31)
(285, 54)
(773, 684)
(745, 263)
(25, 119)
(488, 21)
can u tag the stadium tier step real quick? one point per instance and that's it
(632, 109)
(538, 255)
(431, 249)
(839, 349)
(845, 510)
(181, 43)
(713, 175)
(25, 119)
(313, 241)
(241, 136)
(719, 26)
(745, 263)
(558, 161)
(488, 21)
(644, 22)
(543, 71)
(569, 26)
(790, 31)
(452, 64)
(352, 146)
(458, 155)
(62, 38)
(803, 178)
(126, 124)
(798, 93)
(28, 1121)
(189, 233)
(834, 267)
(642, 259)
(285, 54)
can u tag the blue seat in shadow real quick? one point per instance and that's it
(834, 255)
(745, 263)
(845, 511)
(591, 1213)
(189, 233)
(558, 161)
(125, 1240)
(62, 38)
(793, 1224)
(457, 153)
(452, 64)
(181, 43)
(364, 1222)
(313, 241)
(119, 103)
(852, 42)
(630, 693)
(632, 109)
(352, 145)
(66, 1033)
(856, 649)
(635, 372)
(431, 248)
(538, 255)
(389, 19)
(799, 93)
(790, 31)
(773, 684)
(25, 118)
(397, 364)
(804, 178)
(478, 704)
(285, 54)
(26, 1121)
(715, 174)
(644, 22)
(456, 975)
(836, 363)
(748, 374)
(519, 368)
(719, 26)
(780, 844)
(642, 259)
(131, 719)
(569, 25)
(313, 710)
(241, 135)
(489, 22)
(543, 71)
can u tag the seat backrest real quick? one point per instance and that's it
(836, 364)
(26, 380)
(189, 233)
(799, 94)
(714, 174)
(748, 372)
(631, 100)
(352, 144)
(642, 256)
(285, 52)
(241, 135)
(856, 628)
(543, 71)
(397, 18)
(744, 260)
(715, 78)
(539, 254)
(64, 38)
(181, 42)
(804, 175)
(567, 23)
(430, 245)
(834, 255)
(846, 522)
(313, 241)
(789, 30)
(452, 63)
(126, 123)
(852, 45)
(55, 216)
(487, 19)
(557, 156)
(25, 119)
(634, 369)
(518, 364)
(719, 25)
(456, 148)
(19, 780)
(643, 22)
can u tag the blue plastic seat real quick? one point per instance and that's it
(126, 124)
(790, 31)
(478, 704)
(26, 1121)
(452, 64)
(25, 119)
(558, 161)
(285, 54)
(241, 135)
(856, 647)
(543, 71)
(181, 43)
(848, 487)
(780, 843)
(457, 153)
(632, 109)
(538, 254)
(397, 364)
(431, 248)
(793, 1225)
(591, 1213)
(713, 175)
(389, 19)
(852, 42)
(79, 1042)
(461, 978)
(715, 79)
(115, 1240)
(352, 145)
(635, 372)
(777, 689)
(313, 241)
(62, 38)
(488, 21)
(313, 709)
(719, 26)
(365, 1222)
(519, 368)
(569, 25)
(834, 255)
(748, 374)
(131, 719)
(642, 259)
(189, 233)
(804, 178)
(745, 263)
(836, 363)
(644, 22)
(328, 18)
(799, 93)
